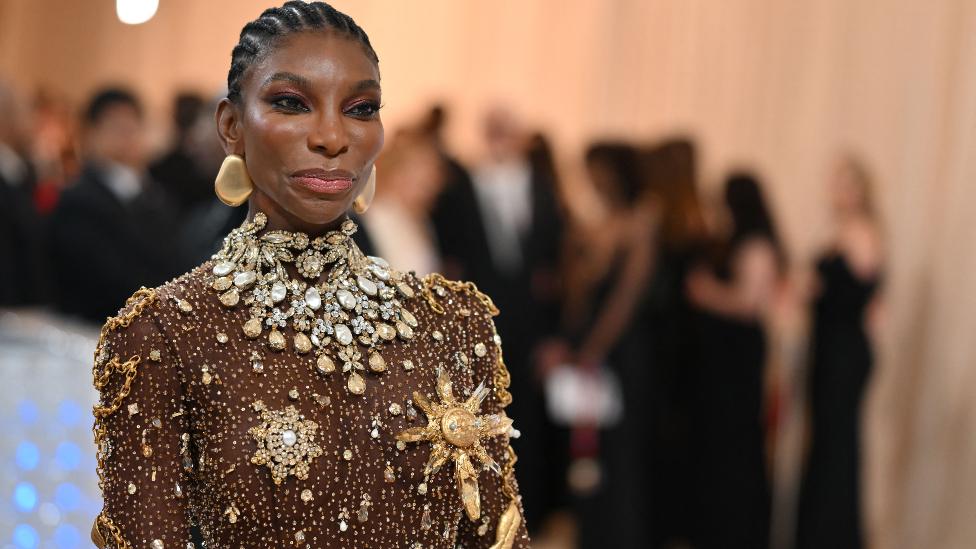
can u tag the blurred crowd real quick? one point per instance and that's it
(659, 338)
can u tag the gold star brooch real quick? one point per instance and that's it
(455, 431)
(286, 442)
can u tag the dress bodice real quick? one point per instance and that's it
(288, 434)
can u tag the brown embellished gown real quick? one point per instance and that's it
(262, 440)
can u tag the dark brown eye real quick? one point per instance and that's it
(364, 110)
(289, 103)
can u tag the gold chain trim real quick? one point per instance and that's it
(470, 288)
(101, 521)
(102, 372)
(508, 474)
(101, 379)
(501, 377)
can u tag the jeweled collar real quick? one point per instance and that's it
(355, 305)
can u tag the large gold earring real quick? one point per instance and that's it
(365, 198)
(233, 185)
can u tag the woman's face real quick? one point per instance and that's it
(308, 126)
(846, 193)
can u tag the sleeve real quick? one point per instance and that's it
(502, 523)
(141, 434)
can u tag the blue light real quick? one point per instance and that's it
(27, 411)
(27, 455)
(67, 497)
(68, 456)
(70, 413)
(25, 496)
(25, 537)
(67, 536)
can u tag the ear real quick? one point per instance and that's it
(228, 118)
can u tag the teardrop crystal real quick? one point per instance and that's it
(252, 328)
(313, 298)
(385, 331)
(230, 297)
(245, 279)
(223, 268)
(346, 299)
(408, 317)
(376, 362)
(222, 283)
(356, 384)
(366, 285)
(278, 291)
(302, 343)
(324, 364)
(276, 340)
(343, 334)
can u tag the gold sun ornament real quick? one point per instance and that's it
(456, 431)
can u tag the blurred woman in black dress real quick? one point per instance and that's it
(841, 358)
(669, 334)
(734, 297)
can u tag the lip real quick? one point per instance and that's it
(324, 181)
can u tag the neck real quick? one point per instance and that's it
(280, 219)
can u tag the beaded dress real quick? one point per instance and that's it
(293, 392)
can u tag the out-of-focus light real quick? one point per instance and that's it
(27, 456)
(68, 456)
(25, 496)
(25, 537)
(68, 496)
(49, 513)
(136, 12)
(27, 411)
(67, 537)
(69, 412)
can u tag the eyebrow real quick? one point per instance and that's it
(298, 80)
(301, 81)
(366, 85)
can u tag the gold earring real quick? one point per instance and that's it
(365, 198)
(233, 185)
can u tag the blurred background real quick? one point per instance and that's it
(731, 244)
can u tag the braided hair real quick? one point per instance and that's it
(259, 36)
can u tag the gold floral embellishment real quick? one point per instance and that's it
(286, 443)
(456, 431)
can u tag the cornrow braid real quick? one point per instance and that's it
(259, 36)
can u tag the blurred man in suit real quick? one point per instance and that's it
(113, 228)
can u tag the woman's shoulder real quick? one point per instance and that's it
(152, 308)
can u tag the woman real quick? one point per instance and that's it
(399, 219)
(610, 266)
(292, 392)
(734, 299)
(669, 333)
(848, 277)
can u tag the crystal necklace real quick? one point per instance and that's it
(356, 303)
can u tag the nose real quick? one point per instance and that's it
(328, 136)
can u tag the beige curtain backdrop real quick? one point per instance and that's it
(779, 85)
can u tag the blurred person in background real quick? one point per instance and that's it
(55, 150)
(734, 296)
(502, 230)
(610, 264)
(177, 170)
(398, 221)
(671, 173)
(455, 215)
(112, 231)
(22, 269)
(208, 222)
(845, 307)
